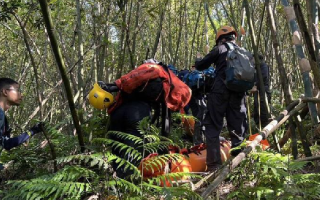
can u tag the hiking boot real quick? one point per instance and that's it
(213, 169)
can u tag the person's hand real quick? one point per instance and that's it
(110, 87)
(199, 55)
(103, 85)
(254, 89)
(151, 61)
(38, 127)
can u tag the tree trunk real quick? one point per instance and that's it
(209, 16)
(256, 56)
(134, 37)
(179, 36)
(34, 65)
(308, 40)
(80, 63)
(282, 71)
(156, 42)
(194, 32)
(59, 60)
(186, 64)
(121, 54)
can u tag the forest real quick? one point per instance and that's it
(58, 49)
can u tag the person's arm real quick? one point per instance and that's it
(210, 58)
(9, 143)
(2, 121)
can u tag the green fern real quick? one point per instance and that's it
(74, 173)
(155, 146)
(91, 160)
(125, 136)
(46, 189)
(274, 177)
(83, 175)
(120, 147)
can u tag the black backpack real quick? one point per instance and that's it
(240, 69)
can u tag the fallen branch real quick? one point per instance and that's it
(287, 135)
(310, 99)
(308, 159)
(271, 127)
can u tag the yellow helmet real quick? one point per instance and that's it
(100, 98)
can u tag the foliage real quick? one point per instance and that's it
(271, 176)
(116, 37)
(83, 175)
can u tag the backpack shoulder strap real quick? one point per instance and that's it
(229, 46)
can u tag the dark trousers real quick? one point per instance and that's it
(125, 119)
(198, 108)
(264, 114)
(231, 105)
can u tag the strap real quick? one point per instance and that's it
(165, 67)
(165, 120)
(229, 46)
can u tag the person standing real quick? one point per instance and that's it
(222, 101)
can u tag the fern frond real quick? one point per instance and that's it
(158, 163)
(74, 173)
(127, 165)
(44, 189)
(125, 185)
(151, 138)
(155, 146)
(121, 147)
(145, 128)
(92, 160)
(125, 136)
(162, 138)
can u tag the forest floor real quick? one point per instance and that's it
(227, 187)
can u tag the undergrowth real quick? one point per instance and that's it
(92, 175)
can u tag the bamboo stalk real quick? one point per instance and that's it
(304, 63)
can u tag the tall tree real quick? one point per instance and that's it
(59, 60)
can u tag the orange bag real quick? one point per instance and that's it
(180, 165)
(176, 93)
(264, 143)
(198, 158)
(149, 168)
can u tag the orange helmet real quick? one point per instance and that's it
(225, 30)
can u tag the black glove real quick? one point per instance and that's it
(37, 128)
(110, 87)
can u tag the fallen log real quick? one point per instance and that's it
(308, 159)
(291, 110)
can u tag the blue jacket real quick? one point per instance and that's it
(5, 140)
